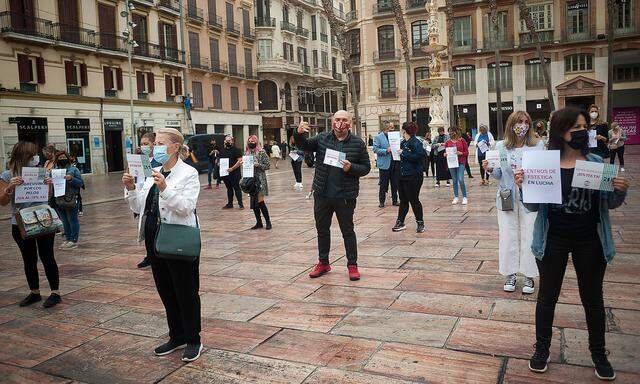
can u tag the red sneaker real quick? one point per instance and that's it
(353, 272)
(319, 270)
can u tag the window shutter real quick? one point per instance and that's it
(177, 85)
(24, 72)
(40, 69)
(168, 85)
(140, 81)
(83, 75)
(69, 73)
(108, 78)
(151, 82)
(119, 78)
(161, 34)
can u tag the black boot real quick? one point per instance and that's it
(256, 211)
(265, 213)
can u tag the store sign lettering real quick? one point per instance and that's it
(502, 64)
(578, 5)
(76, 124)
(464, 68)
(30, 123)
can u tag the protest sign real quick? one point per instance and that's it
(224, 166)
(334, 158)
(247, 166)
(59, 182)
(593, 142)
(542, 182)
(138, 167)
(592, 175)
(452, 157)
(394, 143)
(483, 146)
(294, 156)
(32, 175)
(493, 158)
(32, 193)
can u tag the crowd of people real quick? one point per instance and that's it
(534, 239)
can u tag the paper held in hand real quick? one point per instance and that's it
(32, 175)
(334, 158)
(294, 156)
(542, 182)
(59, 182)
(224, 166)
(493, 158)
(247, 166)
(482, 146)
(593, 142)
(34, 190)
(394, 143)
(592, 175)
(139, 165)
(452, 157)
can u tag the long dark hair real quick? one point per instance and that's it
(563, 120)
(21, 153)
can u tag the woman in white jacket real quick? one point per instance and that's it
(170, 196)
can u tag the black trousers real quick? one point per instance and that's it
(620, 152)
(30, 250)
(484, 175)
(409, 188)
(323, 210)
(178, 283)
(468, 168)
(232, 182)
(389, 176)
(297, 170)
(590, 266)
(430, 162)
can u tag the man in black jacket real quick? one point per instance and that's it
(336, 189)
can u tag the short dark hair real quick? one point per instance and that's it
(563, 120)
(410, 127)
(149, 135)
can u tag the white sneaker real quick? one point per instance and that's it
(528, 286)
(455, 201)
(464, 201)
(510, 284)
(71, 245)
(621, 169)
(63, 244)
(437, 185)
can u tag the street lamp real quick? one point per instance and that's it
(131, 44)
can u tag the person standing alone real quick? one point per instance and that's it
(388, 167)
(232, 179)
(412, 155)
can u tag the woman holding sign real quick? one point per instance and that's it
(25, 154)
(484, 141)
(580, 226)
(67, 205)
(514, 222)
(297, 157)
(457, 146)
(260, 164)
(412, 156)
(601, 130)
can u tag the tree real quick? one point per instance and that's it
(450, 42)
(525, 15)
(345, 46)
(404, 40)
(493, 6)
(612, 8)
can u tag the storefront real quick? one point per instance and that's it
(271, 127)
(33, 129)
(539, 109)
(467, 118)
(507, 109)
(77, 133)
(113, 129)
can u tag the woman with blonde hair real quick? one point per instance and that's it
(261, 164)
(617, 137)
(515, 223)
(602, 131)
(170, 196)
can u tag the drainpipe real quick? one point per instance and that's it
(104, 146)
(3, 150)
(185, 73)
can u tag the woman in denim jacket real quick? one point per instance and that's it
(580, 226)
(69, 216)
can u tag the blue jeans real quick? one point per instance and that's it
(457, 174)
(71, 224)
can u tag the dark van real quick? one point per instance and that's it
(199, 145)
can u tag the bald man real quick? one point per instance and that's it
(335, 189)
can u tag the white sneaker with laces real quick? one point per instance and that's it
(621, 169)
(464, 201)
(63, 245)
(528, 286)
(510, 284)
(455, 201)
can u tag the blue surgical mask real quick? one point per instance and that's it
(160, 154)
(145, 149)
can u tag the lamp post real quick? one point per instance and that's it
(131, 44)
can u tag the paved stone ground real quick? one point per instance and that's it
(429, 308)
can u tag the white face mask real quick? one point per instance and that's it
(594, 115)
(35, 160)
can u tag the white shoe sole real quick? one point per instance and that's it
(528, 290)
(605, 378)
(183, 346)
(546, 367)
(511, 288)
(196, 357)
(399, 229)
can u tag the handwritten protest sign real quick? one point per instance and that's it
(224, 166)
(593, 142)
(32, 193)
(139, 165)
(33, 174)
(592, 175)
(542, 182)
(452, 157)
(247, 166)
(394, 143)
(59, 182)
(483, 146)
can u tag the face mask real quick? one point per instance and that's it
(160, 154)
(521, 129)
(145, 149)
(341, 126)
(579, 139)
(252, 145)
(35, 160)
(227, 145)
(63, 162)
(594, 115)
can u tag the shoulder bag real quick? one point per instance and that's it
(178, 242)
(37, 220)
(69, 200)
(506, 199)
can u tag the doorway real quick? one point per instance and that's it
(582, 102)
(421, 117)
(113, 144)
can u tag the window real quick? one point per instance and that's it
(168, 40)
(627, 72)
(315, 58)
(419, 33)
(580, 62)
(217, 96)
(112, 81)
(577, 18)
(356, 83)
(302, 56)
(214, 48)
(248, 61)
(302, 98)
(287, 52)
(145, 82)
(465, 76)
(323, 25)
(285, 13)
(196, 101)
(502, 39)
(251, 103)
(287, 96)
(75, 76)
(264, 49)
(386, 42)
(30, 72)
(233, 60)
(314, 29)
(624, 19)
(194, 48)
(299, 17)
(534, 74)
(387, 84)
(419, 74)
(506, 76)
(462, 31)
(325, 59)
(268, 95)
(235, 101)
(541, 15)
(169, 88)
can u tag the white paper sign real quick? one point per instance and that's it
(592, 175)
(593, 142)
(493, 158)
(452, 157)
(542, 181)
(139, 165)
(59, 182)
(31, 175)
(482, 146)
(32, 193)
(224, 166)
(247, 166)
(294, 156)
(334, 158)
(427, 148)
(394, 143)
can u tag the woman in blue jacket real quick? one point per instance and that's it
(412, 156)
(580, 226)
(69, 215)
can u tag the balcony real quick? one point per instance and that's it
(156, 51)
(323, 72)
(336, 76)
(351, 16)
(233, 28)
(195, 14)
(388, 94)
(490, 44)
(72, 34)
(248, 34)
(383, 56)
(279, 65)
(218, 67)
(302, 32)
(416, 51)
(250, 74)
(214, 22)
(311, 2)
(265, 22)
(339, 14)
(544, 37)
(199, 63)
(236, 71)
(416, 5)
(462, 47)
(382, 8)
(21, 25)
(419, 92)
(306, 69)
(288, 27)
(324, 37)
(171, 6)
(355, 58)
(571, 36)
(112, 42)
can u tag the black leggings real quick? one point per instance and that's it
(409, 190)
(30, 250)
(232, 182)
(620, 152)
(484, 175)
(297, 170)
(590, 265)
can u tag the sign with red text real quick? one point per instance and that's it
(542, 182)
(592, 175)
(629, 121)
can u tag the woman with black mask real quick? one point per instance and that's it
(412, 156)
(580, 226)
(232, 179)
(261, 164)
(438, 149)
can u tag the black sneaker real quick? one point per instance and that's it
(30, 299)
(144, 263)
(395, 204)
(268, 226)
(420, 228)
(604, 370)
(399, 226)
(540, 358)
(257, 226)
(192, 352)
(240, 206)
(381, 205)
(168, 347)
(228, 206)
(52, 300)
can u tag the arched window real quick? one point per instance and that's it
(268, 95)
(420, 73)
(287, 96)
(387, 84)
(419, 34)
(386, 40)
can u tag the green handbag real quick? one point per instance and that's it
(178, 242)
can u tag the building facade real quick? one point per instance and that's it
(574, 42)
(300, 67)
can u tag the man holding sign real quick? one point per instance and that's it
(336, 189)
(388, 166)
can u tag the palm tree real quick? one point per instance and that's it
(525, 16)
(345, 46)
(404, 40)
(493, 6)
(450, 42)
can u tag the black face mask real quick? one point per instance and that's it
(227, 145)
(252, 145)
(63, 162)
(579, 139)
